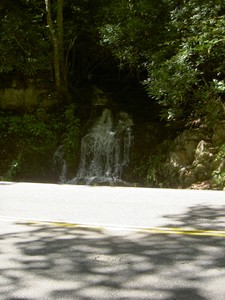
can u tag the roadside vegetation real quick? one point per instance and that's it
(54, 51)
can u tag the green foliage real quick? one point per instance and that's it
(71, 139)
(29, 141)
(194, 72)
(131, 29)
(180, 44)
(24, 46)
(219, 179)
(14, 169)
(153, 177)
(35, 132)
(208, 107)
(171, 83)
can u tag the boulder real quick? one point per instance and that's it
(184, 148)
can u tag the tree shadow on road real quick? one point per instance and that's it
(203, 217)
(56, 262)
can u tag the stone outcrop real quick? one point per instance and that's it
(26, 97)
(194, 160)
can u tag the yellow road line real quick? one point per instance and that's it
(184, 231)
(157, 230)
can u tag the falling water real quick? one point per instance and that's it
(105, 149)
(60, 163)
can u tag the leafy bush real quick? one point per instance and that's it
(29, 141)
(24, 45)
(181, 45)
(71, 138)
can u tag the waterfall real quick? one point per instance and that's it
(60, 163)
(105, 149)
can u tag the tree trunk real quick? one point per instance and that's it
(63, 67)
(56, 36)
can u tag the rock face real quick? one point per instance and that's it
(26, 96)
(194, 160)
(190, 158)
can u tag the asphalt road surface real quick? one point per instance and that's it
(80, 242)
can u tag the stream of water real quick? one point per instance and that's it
(105, 150)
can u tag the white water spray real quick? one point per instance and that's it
(105, 149)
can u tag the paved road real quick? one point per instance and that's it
(116, 206)
(43, 261)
